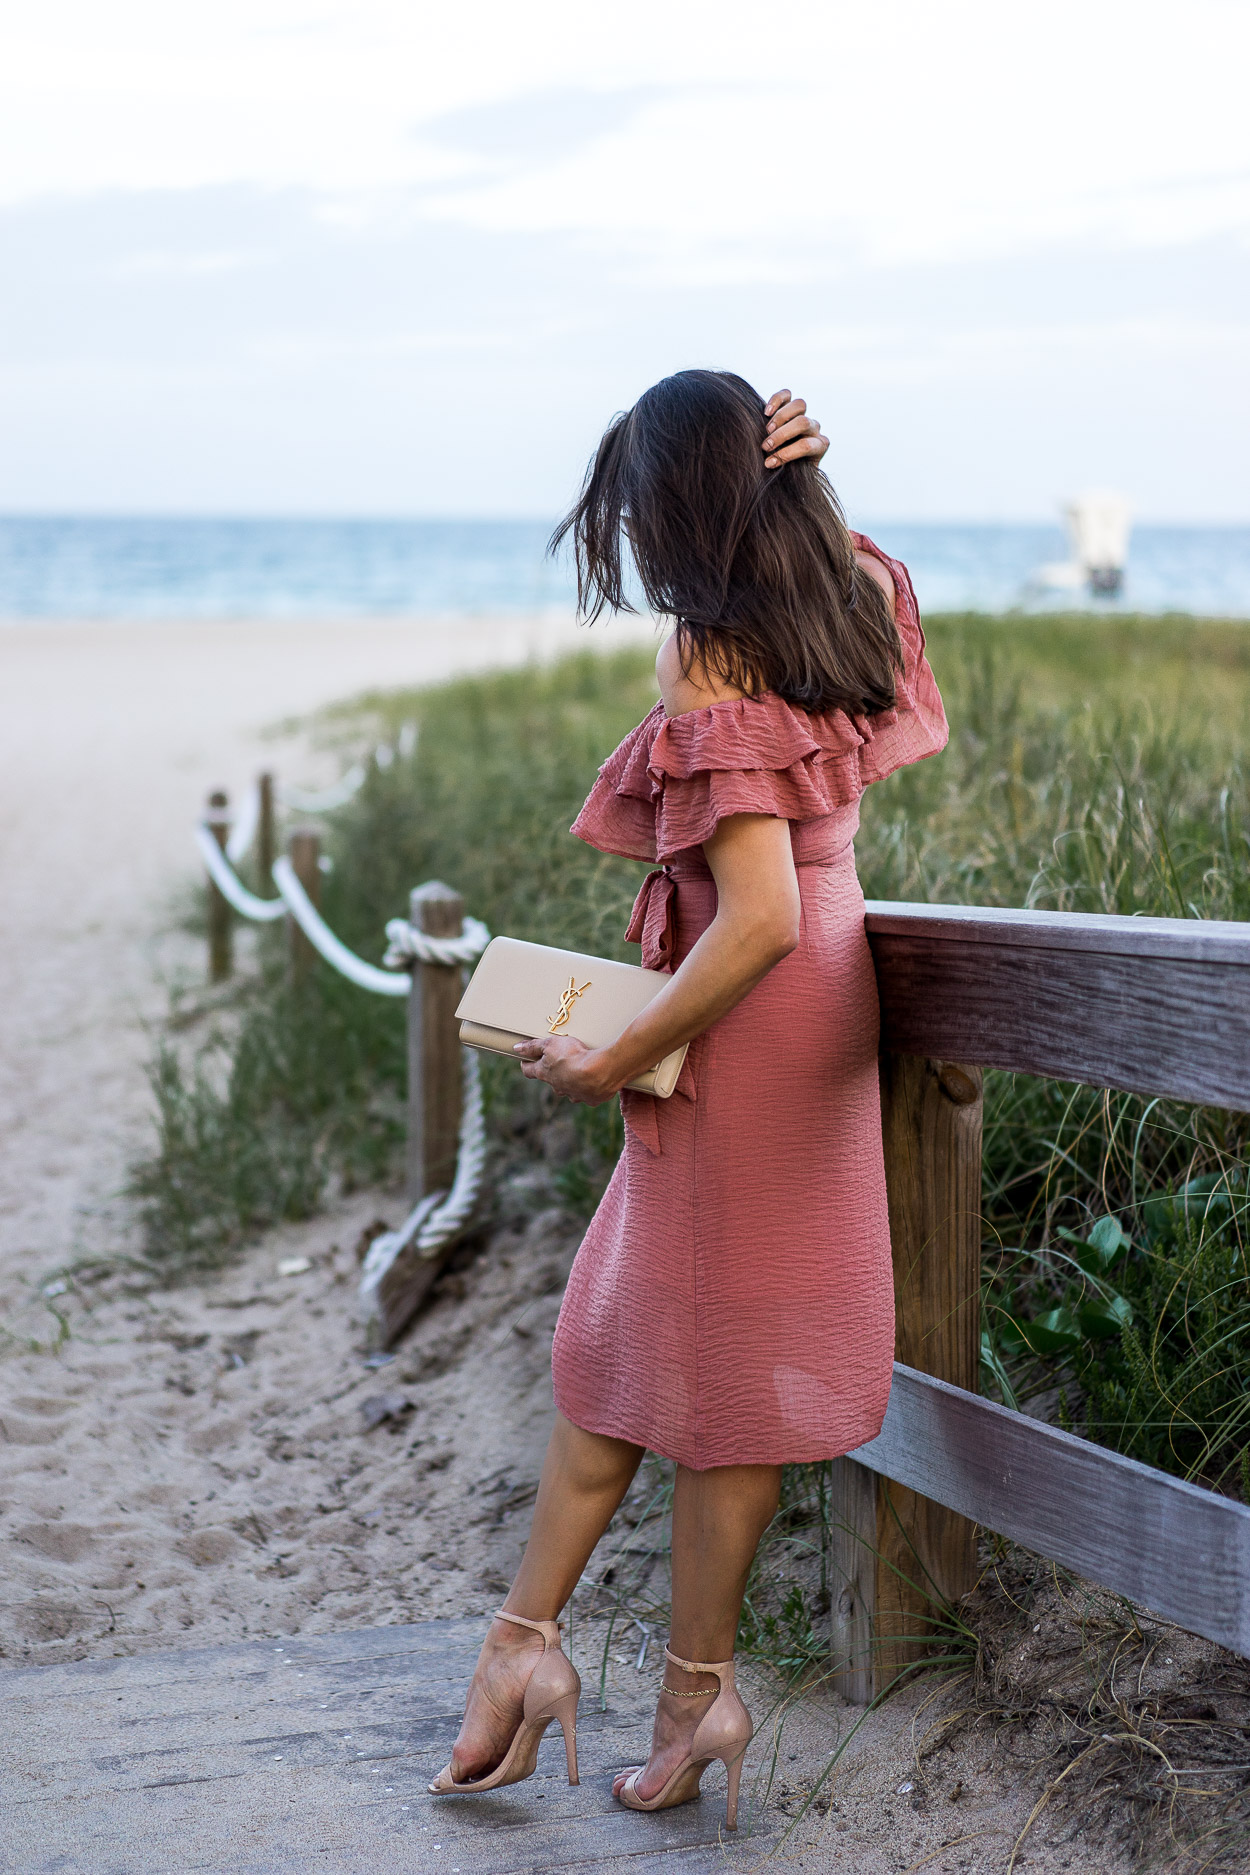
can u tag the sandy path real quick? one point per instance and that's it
(110, 736)
(197, 1466)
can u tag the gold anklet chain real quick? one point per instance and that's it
(704, 1692)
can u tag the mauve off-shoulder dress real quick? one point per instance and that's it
(732, 1302)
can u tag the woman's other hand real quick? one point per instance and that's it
(790, 434)
(569, 1066)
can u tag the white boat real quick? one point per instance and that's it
(1099, 524)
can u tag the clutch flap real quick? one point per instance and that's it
(534, 989)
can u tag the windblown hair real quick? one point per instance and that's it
(755, 566)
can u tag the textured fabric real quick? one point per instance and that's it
(732, 1301)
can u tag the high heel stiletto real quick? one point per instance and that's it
(552, 1692)
(723, 1732)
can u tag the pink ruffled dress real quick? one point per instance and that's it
(732, 1302)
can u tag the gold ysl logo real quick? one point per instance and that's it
(567, 999)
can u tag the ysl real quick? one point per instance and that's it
(567, 999)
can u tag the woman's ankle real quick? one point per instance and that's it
(687, 1688)
(510, 1637)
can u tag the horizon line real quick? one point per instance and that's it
(400, 518)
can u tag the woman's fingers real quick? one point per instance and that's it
(543, 1060)
(532, 1056)
(785, 412)
(786, 432)
(803, 439)
(790, 433)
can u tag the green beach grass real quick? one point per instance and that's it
(1095, 764)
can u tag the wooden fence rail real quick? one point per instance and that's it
(1157, 1006)
(1179, 1550)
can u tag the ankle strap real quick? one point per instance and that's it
(723, 1669)
(550, 1630)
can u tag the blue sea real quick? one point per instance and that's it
(172, 568)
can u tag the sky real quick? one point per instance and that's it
(393, 258)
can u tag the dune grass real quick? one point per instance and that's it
(1095, 765)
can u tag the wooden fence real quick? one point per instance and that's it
(1157, 1006)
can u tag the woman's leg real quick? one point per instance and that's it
(584, 1478)
(719, 1517)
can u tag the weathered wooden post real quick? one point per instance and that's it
(392, 1294)
(266, 828)
(434, 1072)
(220, 920)
(306, 863)
(894, 1551)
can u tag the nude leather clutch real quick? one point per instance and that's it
(520, 991)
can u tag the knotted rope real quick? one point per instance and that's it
(406, 944)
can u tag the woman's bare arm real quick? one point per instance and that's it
(756, 925)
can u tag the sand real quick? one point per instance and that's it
(200, 1466)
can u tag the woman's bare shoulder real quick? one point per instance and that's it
(878, 570)
(682, 691)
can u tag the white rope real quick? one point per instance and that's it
(323, 800)
(406, 945)
(229, 884)
(340, 792)
(320, 936)
(244, 830)
(461, 1201)
(439, 1219)
(436, 1220)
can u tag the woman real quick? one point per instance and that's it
(732, 1304)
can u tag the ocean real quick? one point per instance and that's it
(173, 568)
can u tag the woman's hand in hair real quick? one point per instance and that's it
(790, 434)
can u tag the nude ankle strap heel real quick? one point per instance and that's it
(550, 1630)
(552, 1692)
(723, 1732)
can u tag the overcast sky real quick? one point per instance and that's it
(389, 258)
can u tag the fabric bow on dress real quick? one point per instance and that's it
(653, 924)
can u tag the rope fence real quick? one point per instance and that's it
(311, 800)
(425, 961)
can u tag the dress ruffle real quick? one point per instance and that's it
(674, 779)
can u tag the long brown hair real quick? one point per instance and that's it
(755, 566)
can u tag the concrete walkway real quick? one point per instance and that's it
(310, 1755)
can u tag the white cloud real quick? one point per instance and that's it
(157, 263)
(898, 354)
(895, 130)
(253, 249)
